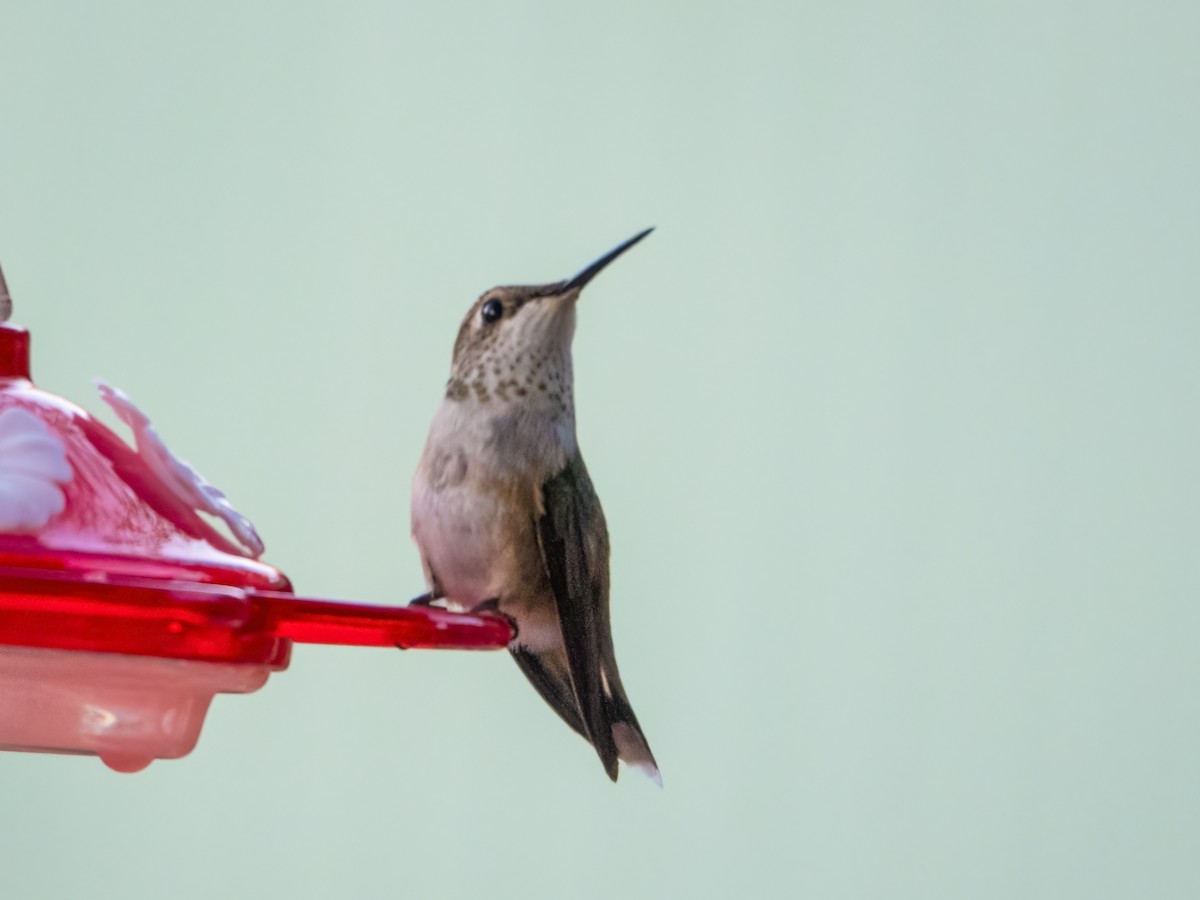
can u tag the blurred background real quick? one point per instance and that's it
(894, 419)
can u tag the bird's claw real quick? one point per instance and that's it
(493, 607)
(486, 606)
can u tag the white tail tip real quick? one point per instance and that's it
(650, 771)
(635, 752)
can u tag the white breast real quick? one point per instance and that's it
(472, 520)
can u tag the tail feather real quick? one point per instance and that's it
(632, 747)
(552, 679)
(634, 751)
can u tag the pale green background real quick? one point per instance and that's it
(894, 419)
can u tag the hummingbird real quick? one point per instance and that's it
(505, 516)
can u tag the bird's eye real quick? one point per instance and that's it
(492, 311)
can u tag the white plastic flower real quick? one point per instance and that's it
(188, 484)
(33, 463)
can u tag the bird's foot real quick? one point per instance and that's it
(493, 606)
(483, 606)
(423, 600)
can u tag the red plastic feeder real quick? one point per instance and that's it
(123, 610)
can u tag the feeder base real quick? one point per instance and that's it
(127, 710)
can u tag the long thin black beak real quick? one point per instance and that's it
(593, 270)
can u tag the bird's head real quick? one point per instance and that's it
(514, 345)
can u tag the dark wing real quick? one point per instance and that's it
(574, 542)
(555, 688)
